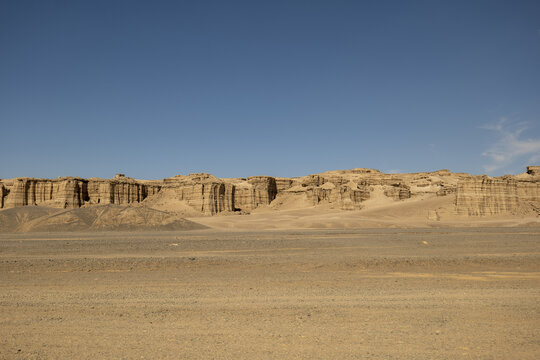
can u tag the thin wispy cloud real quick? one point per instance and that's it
(510, 145)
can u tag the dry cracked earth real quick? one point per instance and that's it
(321, 294)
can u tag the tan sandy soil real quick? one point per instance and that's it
(379, 212)
(94, 218)
(319, 294)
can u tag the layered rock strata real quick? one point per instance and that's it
(398, 192)
(484, 196)
(120, 191)
(341, 189)
(347, 196)
(203, 192)
(211, 195)
(254, 192)
(71, 192)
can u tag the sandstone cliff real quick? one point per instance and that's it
(211, 195)
(256, 191)
(66, 192)
(203, 192)
(71, 192)
(3, 193)
(120, 190)
(484, 196)
(206, 194)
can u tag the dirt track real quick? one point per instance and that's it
(381, 294)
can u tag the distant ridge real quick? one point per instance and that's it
(124, 203)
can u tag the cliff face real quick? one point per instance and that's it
(347, 196)
(484, 196)
(203, 192)
(256, 191)
(341, 189)
(66, 192)
(118, 191)
(345, 189)
(3, 193)
(398, 192)
(73, 192)
(211, 195)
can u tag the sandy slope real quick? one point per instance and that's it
(378, 212)
(287, 211)
(97, 218)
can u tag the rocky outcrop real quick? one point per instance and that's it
(203, 193)
(64, 192)
(348, 196)
(264, 190)
(446, 190)
(71, 192)
(3, 193)
(398, 192)
(338, 192)
(484, 196)
(283, 184)
(533, 170)
(120, 191)
(244, 195)
(17, 193)
(208, 198)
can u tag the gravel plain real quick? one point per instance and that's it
(318, 294)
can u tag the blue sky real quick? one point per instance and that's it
(283, 88)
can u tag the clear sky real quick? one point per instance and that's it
(282, 88)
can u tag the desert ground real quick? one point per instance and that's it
(422, 293)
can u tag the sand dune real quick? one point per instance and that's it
(379, 212)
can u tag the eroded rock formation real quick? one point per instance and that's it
(71, 192)
(340, 189)
(65, 192)
(205, 193)
(3, 193)
(256, 191)
(121, 190)
(533, 170)
(398, 192)
(211, 195)
(484, 196)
